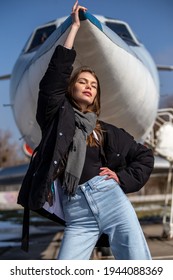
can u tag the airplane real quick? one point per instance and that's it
(126, 70)
(131, 96)
(131, 101)
(128, 75)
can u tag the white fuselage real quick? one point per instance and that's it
(127, 73)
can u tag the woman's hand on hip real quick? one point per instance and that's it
(110, 174)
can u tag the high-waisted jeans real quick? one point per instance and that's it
(100, 206)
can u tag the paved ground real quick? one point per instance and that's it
(161, 247)
(45, 246)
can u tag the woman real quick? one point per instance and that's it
(96, 162)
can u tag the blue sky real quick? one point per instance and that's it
(151, 20)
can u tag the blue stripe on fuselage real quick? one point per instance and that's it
(91, 18)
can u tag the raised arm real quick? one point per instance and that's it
(69, 42)
(54, 84)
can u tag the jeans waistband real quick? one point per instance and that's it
(92, 182)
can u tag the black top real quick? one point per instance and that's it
(93, 162)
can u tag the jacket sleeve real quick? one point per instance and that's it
(53, 86)
(139, 162)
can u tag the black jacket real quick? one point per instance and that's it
(131, 161)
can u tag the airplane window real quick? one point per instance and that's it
(122, 31)
(40, 36)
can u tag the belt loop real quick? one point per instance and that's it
(91, 184)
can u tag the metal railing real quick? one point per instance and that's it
(164, 118)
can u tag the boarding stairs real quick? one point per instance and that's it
(160, 139)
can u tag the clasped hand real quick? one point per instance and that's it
(75, 13)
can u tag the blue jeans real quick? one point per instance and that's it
(100, 206)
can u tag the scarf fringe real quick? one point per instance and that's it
(70, 184)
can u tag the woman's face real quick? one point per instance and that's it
(85, 90)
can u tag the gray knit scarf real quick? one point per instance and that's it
(85, 123)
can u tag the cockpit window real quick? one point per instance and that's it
(40, 36)
(122, 31)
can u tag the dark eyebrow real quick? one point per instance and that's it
(93, 82)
